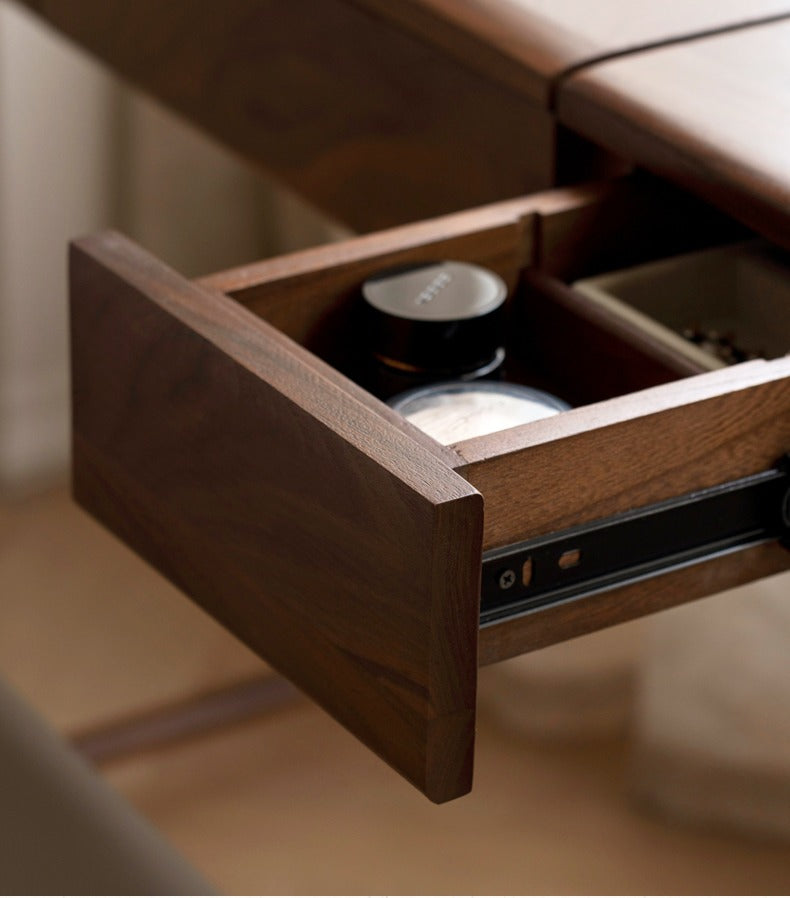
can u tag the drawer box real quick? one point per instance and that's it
(218, 431)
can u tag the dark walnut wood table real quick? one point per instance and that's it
(218, 428)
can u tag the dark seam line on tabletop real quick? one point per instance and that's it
(557, 82)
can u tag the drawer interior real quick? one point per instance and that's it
(632, 395)
(558, 340)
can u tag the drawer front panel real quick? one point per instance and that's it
(344, 552)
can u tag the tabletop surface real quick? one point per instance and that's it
(542, 39)
(712, 114)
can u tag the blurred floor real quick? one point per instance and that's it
(88, 632)
(291, 803)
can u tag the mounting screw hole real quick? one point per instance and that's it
(507, 579)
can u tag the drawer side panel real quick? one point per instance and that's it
(625, 454)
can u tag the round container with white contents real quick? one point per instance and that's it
(459, 410)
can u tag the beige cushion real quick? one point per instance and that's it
(64, 831)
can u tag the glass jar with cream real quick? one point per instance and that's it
(436, 332)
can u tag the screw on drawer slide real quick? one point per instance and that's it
(636, 544)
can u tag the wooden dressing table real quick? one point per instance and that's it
(217, 426)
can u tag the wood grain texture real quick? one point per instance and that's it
(727, 139)
(631, 451)
(575, 618)
(330, 542)
(368, 121)
(528, 43)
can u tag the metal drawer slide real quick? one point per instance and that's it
(637, 544)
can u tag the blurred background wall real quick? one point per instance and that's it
(79, 151)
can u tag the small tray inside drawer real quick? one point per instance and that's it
(716, 306)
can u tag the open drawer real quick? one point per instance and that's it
(341, 543)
